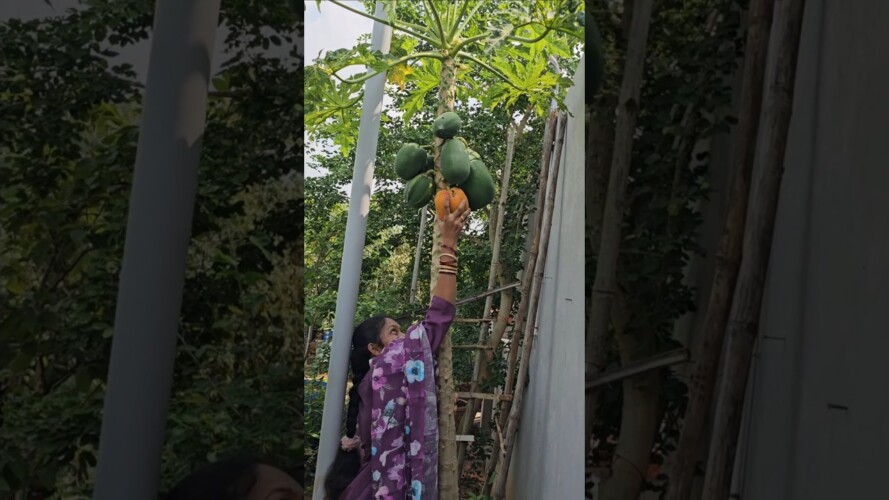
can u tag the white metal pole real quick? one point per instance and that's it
(146, 321)
(350, 268)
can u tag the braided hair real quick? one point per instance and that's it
(347, 463)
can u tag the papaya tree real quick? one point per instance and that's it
(441, 48)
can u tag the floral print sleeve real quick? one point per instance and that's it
(438, 319)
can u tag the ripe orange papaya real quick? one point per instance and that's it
(457, 196)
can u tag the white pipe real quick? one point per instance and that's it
(350, 268)
(149, 297)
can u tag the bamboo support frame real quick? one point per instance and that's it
(499, 488)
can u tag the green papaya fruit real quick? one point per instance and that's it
(454, 162)
(447, 125)
(473, 155)
(479, 186)
(410, 161)
(418, 191)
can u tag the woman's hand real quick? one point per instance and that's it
(452, 224)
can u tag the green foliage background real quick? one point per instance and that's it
(487, 106)
(69, 120)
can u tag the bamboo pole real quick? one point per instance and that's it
(743, 324)
(472, 407)
(488, 292)
(661, 360)
(606, 269)
(531, 260)
(499, 489)
(417, 253)
(628, 108)
(728, 256)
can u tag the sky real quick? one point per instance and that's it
(330, 29)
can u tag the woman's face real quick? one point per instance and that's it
(274, 484)
(389, 332)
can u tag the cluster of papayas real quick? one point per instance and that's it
(461, 167)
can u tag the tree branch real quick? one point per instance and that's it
(453, 32)
(489, 68)
(471, 40)
(391, 24)
(530, 40)
(419, 55)
(441, 31)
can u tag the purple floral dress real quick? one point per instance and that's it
(399, 426)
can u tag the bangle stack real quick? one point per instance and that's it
(448, 262)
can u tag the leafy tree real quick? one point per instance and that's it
(684, 101)
(69, 117)
(490, 58)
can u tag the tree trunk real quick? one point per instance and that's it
(599, 144)
(448, 477)
(728, 256)
(743, 322)
(612, 218)
(481, 358)
(542, 245)
(640, 414)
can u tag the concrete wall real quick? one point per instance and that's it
(549, 449)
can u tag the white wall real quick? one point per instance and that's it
(825, 320)
(548, 457)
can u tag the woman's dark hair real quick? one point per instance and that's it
(225, 480)
(347, 463)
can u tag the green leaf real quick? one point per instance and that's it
(15, 286)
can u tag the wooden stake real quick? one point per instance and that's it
(743, 324)
(417, 253)
(728, 256)
(527, 275)
(499, 489)
(487, 293)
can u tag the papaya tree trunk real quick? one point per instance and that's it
(606, 265)
(637, 390)
(728, 256)
(448, 476)
(640, 413)
(743, 324)
(493, 271)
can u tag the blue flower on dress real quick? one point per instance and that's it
(373, 451)
(376, 475)
(416, 489)
(415, 370)
(389, 410)
(407, 430)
